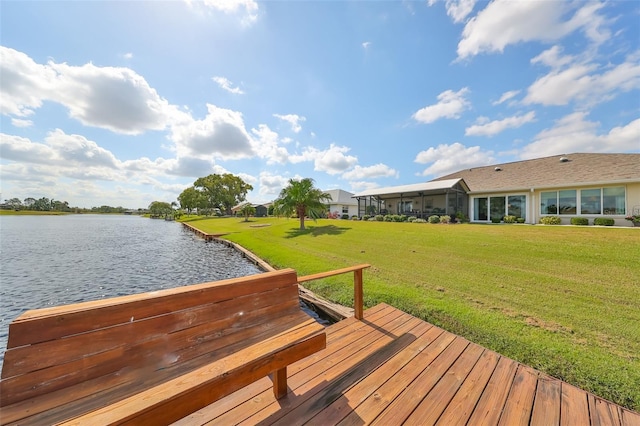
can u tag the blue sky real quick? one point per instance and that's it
(124, 103)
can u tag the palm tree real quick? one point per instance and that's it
(247, 210)
(303, 199)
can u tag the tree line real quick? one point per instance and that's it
(45, 204)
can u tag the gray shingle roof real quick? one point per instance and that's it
(578, 170)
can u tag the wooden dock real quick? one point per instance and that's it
(392, 368)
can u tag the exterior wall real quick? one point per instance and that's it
(533, 204)
(353, 209)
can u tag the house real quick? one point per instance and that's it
(262, 210)
(573, 185)
(342, 202)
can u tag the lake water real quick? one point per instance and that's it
(57, 260)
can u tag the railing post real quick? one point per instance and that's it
(358, 301)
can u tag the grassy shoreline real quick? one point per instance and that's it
(564, 300)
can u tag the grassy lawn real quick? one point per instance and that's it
(562, 299)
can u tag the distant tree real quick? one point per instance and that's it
(191, 199)
(223, 191)
(247, 210)
(159, 208)
(42, 204)
(14, 203)
(303, 199)
(29, 203)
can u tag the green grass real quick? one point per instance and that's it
(562, 299)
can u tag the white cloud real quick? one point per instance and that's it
(17, 122)
(128, 55)
(574, 133)
(370, 172)
(24, 83)
(220, 134)
(450, 105)
(366, 45)
(506, 96)
(271, 184)
(227, 85)
(267, 145)
(552, 58)
(497, 126)
(506, 22)
(332, 160)
(62, 155)
(246, 9)
(293, 119)
(457, 10)
(588, 83)
(117, 99)
(447, 159)
(361, 186)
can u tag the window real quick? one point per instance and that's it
(549, 203)
(613, 200)
(607, 201)
(590, 201)
(405, 207)
(497, 207)
(345, 209)
(517, 205)
(480, 208)
(567, 202)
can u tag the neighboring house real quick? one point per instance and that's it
(262, 210)
(342, 202)
(573, 185)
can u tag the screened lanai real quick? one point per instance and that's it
(421, 199)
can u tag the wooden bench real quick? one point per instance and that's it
(155, 357)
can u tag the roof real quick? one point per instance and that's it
(339, 196)
(413, 190)
(550, 172)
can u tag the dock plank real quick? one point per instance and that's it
(392, 368)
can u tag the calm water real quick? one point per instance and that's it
(56, 260)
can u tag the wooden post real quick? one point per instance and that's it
(280, 383)
(358, 301)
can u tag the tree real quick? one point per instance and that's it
(191, 199)
(247, 210)
(303, 199)
(14, 203)
(159, 208)
(223, 191)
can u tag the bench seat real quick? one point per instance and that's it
(156, 357)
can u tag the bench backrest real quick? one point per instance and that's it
(134, 341)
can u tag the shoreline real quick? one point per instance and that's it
(329, 309)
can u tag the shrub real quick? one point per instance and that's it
(366, 217)
(603, 221)
(412, 219)
(550, 220)
(579, 221)
(520, 219)
(420, 220)
(509, 219)
(388, 218)
(379, 217)
(495, 220)
(345, 216)
(355, 217)
(434, 219)
(400, 218)
(445, 219)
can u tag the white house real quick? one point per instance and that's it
(342, 202)
(573, 185)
